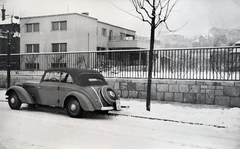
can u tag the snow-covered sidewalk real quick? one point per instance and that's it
(207, 115)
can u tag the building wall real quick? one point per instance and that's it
(83, 33)
(116, 31)
(223, 93)
(79, 36)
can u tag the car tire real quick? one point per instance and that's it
(14, 102)
(32, 106)
(74, 109)
(103, 112)
(109, 95)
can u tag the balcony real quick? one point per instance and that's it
(131, 42)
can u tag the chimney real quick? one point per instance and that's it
(3, 13)
(86, 13)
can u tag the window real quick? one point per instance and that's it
(61, 25)
(58, 65)
(34, 27)
(104, 32)
(66, 78)
(32, 48)
(59, 47)
(110, 35)
(122, 36)
(52, 76)
(32, 66)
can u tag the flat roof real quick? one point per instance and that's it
(84, 15)
(53, 15)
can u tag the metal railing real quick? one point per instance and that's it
(184, 64)
(138, 38)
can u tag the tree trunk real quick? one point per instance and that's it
(150, 62)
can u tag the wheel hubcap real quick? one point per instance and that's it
(73, 107)
(112, 93)
(12, 100)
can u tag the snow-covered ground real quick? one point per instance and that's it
(167, 125)
(208, 115)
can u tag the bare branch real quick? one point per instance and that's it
(160, 11)
(149, 3)
(176, 29)
(167, 13)
(158, 4)
(135, 4)
(126, 11)
(166, 4)
(141, 6)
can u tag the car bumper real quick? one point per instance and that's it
(118, 107)
(107, 108)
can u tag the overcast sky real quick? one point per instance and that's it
(200, 15)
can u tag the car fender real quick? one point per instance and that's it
(22, 94)
(82, 99)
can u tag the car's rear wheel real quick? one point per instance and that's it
(74, 109)
(14, 102)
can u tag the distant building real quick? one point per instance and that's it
(9, 24)
(74, 32)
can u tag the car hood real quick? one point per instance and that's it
(29, 83)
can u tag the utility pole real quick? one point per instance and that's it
(8, 31)
(9, 38)
(8, 59)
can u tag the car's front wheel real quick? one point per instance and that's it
(74, 109)
(14, 102)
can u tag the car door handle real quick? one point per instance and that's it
(39, 87)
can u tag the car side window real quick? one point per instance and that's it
(66, 78)
(52, 76)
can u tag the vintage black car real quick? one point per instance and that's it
(73, 89)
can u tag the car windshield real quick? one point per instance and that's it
(91, 79)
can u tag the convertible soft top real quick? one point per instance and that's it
(73, 71)
(81, 76)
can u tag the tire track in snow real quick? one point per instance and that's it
(168, 120)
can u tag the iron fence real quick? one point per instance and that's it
(185, 64)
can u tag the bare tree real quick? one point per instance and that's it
(154, 12)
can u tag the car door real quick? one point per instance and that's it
(48, 89)
(65, 86)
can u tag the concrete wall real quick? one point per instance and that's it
(224, 93)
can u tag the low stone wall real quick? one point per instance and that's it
(19, 76)
(224, 93)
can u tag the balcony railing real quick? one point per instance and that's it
(138, 38)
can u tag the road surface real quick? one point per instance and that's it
(49, 128)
